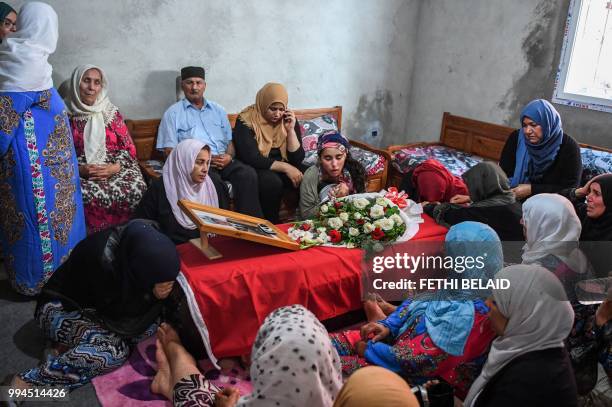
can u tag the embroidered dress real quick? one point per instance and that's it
(41, 212)
(413, 354)
(112, 201)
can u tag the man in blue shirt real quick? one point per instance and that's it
(204, 120)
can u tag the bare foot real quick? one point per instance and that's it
(386, 307)
(182, 364)
(162, 380)
(373, 311)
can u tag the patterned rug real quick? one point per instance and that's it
(129, 386)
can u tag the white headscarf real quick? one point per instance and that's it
(23, 55)
(552, 228)
(98, 116)
(293, 362)
(179, 185)
(539, 317)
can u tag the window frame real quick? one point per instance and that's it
(559, 95)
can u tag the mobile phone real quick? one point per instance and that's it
(266, 229)
(286, 117)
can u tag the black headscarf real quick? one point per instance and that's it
(5, 10)
(600, 229)
(113, 271)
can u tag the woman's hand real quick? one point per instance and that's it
(162, 290)
(104, 171)
(584, 191)
(84, 171)
(522, 191)
(227, 397)
(340, 190)
(293, 174)
(460, 199)
(289, 121)
(379, 331)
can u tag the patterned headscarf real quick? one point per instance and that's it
(293, 362)
(332, 140)
(267, 135)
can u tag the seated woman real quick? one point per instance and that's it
(490, 202)
(111, 182)
(8, 20)
(336, 174)
(540, 157)
(293, 363)
(184, 176)
(596, 213)
(103, 300)
(430, 181)
(527, 364)
(441, 334)
(267, 137)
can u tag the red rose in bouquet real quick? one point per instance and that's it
(378, 234)
(335, 236)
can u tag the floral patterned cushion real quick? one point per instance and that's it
(594, 162)
(313, 128)
(372, 162)
(457, 162)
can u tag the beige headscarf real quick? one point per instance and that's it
(267, 135)
(375, 386)
(98, 116)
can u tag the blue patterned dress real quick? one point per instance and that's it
(41, 211)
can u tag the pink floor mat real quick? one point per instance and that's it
(129, 386)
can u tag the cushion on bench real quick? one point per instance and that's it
(456, 161)
(594, 162)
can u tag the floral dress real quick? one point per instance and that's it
(112, 201)
(413, 355)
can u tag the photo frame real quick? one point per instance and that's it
(223, 222)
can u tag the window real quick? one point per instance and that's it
(584, 78)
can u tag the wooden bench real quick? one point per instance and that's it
(144, 134)
(472, 136)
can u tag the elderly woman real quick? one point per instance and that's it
(441, 334)
(293, 364)
(184, 176)
(490, 201)
(336, 174)
(111, 182)
(41, 212)
(8, 19)
(103, 300)
(430, 181)
(527, 364)
(267, 137)
(540, 157)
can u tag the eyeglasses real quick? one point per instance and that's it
(8, 23)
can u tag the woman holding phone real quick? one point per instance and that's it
(267, 137)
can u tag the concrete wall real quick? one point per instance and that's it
(327, 52)
(486, 59)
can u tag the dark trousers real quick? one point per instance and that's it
(271, 187)
(245, 190)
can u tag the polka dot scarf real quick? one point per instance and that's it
(293, 362)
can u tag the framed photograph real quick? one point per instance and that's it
(233, 224)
